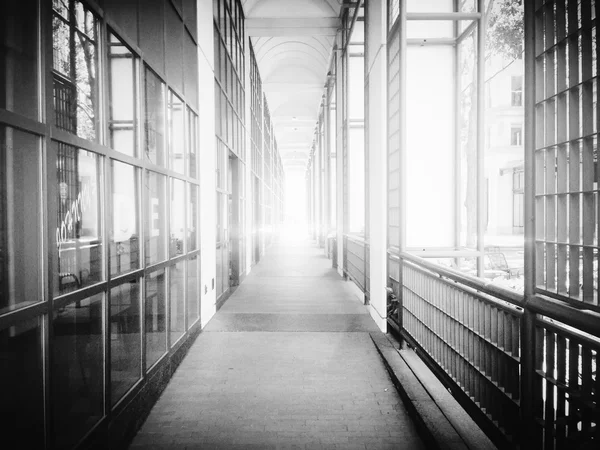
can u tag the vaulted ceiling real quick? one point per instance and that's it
(293, 41)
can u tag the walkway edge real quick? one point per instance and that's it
(437, 429)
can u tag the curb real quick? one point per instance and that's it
(437, 430)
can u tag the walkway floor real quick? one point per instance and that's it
(287, 363)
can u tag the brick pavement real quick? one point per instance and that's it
(312, 383)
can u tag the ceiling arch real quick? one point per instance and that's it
(293, 43)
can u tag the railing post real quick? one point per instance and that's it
(528, 335)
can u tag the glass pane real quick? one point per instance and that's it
(504, 153)
(176, 133)
(75, 65)
(193, 290)
(424, 29)
(176, 292)
(468, 140)
(122, 83)
(22, 381)
(431, 5)
(156, 303)
(430, 137)
(20, 241)
(18, 57)
(192, 212)
(124, 246)
(193, 143)
(177, 217)
(155, 119)
(79, 221)
(78, 370)
(155, 218)
(356, 87)
(125, 338)
(356, 181)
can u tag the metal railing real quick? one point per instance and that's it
(487, 343)
(356, 261)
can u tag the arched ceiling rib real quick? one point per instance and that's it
(293, 41)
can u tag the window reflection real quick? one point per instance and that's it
(75, 68)
(192, 212)
(23, 386)
(125, 339)
(154, 122)
(192, 143)
(19, 220)
(124, 246)
(177, 217)
(155, 319)
(176, 292)
(155, 217)
(176, 133)
(78, 370)
(18, 57)
(78, 229)
(122, 82)
(193, 290)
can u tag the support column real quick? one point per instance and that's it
(248, 179)
(339, 130)
(206, 132)
(375, 137)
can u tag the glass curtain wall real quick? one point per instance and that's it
(229, 49)
(256, 138)
(90, 189)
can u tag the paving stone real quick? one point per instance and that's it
(287, 363)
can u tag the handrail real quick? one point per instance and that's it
(468, 280)
(356, 238)
(585, 320)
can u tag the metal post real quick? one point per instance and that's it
(528, 320)
(481, 195)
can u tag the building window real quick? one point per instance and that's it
(79, 219)
(516, 90)
(518, 197)
(74, 43)
(516, 135)
(154, 123)
(122, 89)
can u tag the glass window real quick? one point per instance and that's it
(78, 370)
(155, 217)
(20, 240)
(516, 88)
(22, 384)
(177, 217)
(176, 133)
(122, 84)
(176, 292)
(75, 68)
(516, 132)
(155, 318)
(79, 221)
(193, 142)
(124, 237)
(193, 290)
(154, 122)
(125, 338)
(192, 210)
(18, 57)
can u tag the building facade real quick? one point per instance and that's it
(117, 121)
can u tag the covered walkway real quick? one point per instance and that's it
(287, 362)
